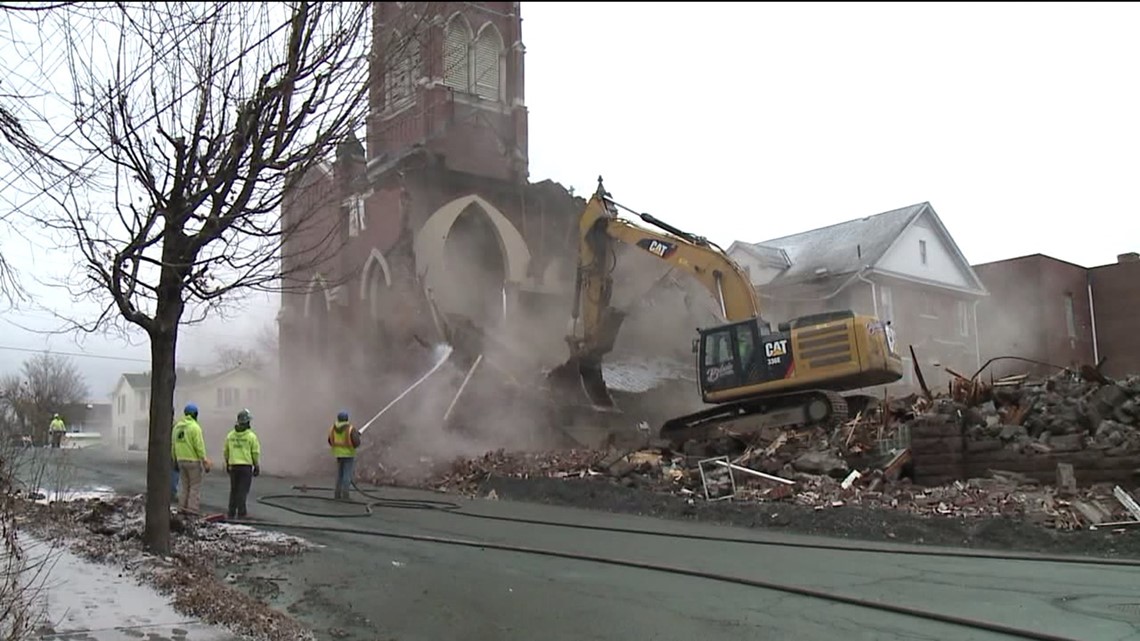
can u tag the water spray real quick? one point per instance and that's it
(447, 350)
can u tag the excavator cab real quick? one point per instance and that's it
(740, 354)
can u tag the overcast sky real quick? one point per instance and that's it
(1017, 122)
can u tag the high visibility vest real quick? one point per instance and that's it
(342, 441)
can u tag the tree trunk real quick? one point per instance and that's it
(163, 341)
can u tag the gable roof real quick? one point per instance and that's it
(827, 259)
(841, 249)
(187, 378)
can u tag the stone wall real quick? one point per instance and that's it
(941, 453)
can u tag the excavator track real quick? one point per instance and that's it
(812, 407)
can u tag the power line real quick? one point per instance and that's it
(73, 354)
(29, 350)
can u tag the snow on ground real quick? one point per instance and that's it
(97, 492)
(96, 602)
(107, 532)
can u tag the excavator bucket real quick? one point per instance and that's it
(582, 374)
(577, 377)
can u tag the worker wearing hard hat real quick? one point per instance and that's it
(343, 440)
(56, 430)
(188, 447)
(242, 452)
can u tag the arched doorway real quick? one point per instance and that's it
(470, 255)
(476, 267)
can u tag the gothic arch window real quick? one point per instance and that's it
(488, 56)
(473, 64)
(400, 79)
(457, 53)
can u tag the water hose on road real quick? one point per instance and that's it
(987, 626)
(376, 501)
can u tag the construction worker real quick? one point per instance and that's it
(57, 429)
(242, 452)
(189, 449)
(343, 439)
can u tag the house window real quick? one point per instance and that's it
(122, 403)
(886, 305)
(228, 396)
(473, 65)
(143, 400)
(963, 318)
(356, 216)
(1070, 318)
(922, 251)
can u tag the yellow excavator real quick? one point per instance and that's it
(753, 376)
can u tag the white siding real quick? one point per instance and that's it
(940, 266)
(218, 403)
(221, 400)
(129, 412)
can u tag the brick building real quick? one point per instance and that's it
(902, 266)
(435, 214)
(1060, 313)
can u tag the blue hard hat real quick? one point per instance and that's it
(342, 416)
(191, 409)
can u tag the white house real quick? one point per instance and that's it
(902, 266)
(219, 397)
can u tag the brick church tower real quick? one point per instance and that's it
(456, 88)
(437, 223)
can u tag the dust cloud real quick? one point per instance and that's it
(505, 403)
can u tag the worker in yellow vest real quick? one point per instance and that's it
(343, 439)
(57, 429)
(188, 447)
(243, 462)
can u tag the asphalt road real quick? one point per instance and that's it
(369, 587)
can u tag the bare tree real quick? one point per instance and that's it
(46, 384)
(205, 116)
(231, 356)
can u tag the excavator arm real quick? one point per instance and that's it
(596, 323)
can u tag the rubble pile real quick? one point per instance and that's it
(110, 531)
(1063, 413)
(867, 462)
(463, 476)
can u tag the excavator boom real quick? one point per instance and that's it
(596, 322)
(755, 376)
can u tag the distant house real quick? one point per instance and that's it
(87, 417)
(902, 266)
(219, 397)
